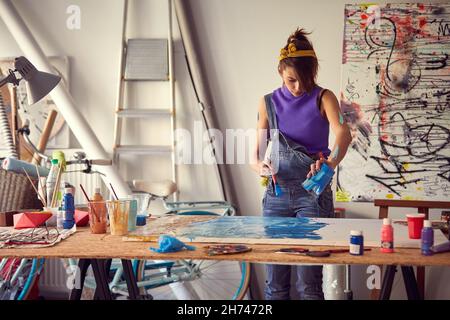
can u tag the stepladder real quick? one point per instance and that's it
(146, 64)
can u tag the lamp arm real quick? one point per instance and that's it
(10, 78)
(25, 131)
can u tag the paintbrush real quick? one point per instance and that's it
(89, 201)
(115, 194)
(39, 183)
(277, 187)
(32, 184)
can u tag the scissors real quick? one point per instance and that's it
(313, 253)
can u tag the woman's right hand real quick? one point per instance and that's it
(262, 169)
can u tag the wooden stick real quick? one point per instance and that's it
(42, 144)
(32, 184)
(55, 191)
(39, 182)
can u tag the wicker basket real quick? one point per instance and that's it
(16, 192)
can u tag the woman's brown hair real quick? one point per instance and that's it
(305, 67)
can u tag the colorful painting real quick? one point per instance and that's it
(395, 95)
(271, 230)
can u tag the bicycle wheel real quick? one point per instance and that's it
(205, 280)
(18, 277)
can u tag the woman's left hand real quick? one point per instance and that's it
(315, 167)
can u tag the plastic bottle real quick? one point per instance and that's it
(69, 209)
(100, 216)
(427, 238)
(387, 236)
(97, 195)
(51, 181)
(356, 243)
(100, 208)
(60, 218)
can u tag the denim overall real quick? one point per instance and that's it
(292, 164)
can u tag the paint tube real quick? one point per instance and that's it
(443, 247)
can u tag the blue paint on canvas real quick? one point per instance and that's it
(255, 228)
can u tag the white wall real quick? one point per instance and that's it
(240, 41)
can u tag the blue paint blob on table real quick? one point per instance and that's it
(255, 228)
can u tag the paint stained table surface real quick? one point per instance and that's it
(273, 230)
(83, 244)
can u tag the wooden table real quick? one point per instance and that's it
(92, 249)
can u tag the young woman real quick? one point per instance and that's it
(298, 116)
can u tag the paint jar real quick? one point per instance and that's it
(142, 200)
(387, 236)
(118, 216)
(132, 213)
(427, 238)
(98, 219)
(356, 243)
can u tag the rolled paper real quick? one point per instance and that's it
(14, 165)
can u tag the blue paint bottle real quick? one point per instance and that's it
(356, 243)
(427, 238)
(69, 209)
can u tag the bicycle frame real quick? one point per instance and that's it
(177, 273)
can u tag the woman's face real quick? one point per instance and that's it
(290, 81)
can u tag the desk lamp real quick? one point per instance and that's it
(38, 84)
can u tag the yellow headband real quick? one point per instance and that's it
(292, 52)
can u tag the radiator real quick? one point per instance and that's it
(88, 181)
(52, 282)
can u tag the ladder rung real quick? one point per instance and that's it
(138, 113)
(143, 149)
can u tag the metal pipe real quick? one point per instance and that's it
(61, 96)
(204, 97)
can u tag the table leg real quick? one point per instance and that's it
(388, 280)
(421, 280)
(101, 280)
(106, 267)
(130, 278)
(412, 289)
(83, 265)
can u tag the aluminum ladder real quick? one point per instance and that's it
(141, 60)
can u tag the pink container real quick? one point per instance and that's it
(415, 225)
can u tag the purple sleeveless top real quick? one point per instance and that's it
(299, 119)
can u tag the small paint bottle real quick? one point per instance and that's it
(427, 238)
(387, 236)
(356, 243)
(60, 218)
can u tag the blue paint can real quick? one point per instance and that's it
(356, 243)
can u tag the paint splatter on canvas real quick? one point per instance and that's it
(395, 96)
(255, 227)
(270, 230)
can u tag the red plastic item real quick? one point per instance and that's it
(415, 225)
(81, 218)
(30, 219)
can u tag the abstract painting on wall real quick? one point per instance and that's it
(395, 96)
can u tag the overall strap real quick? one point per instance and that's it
(270, 109)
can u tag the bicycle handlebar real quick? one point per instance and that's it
(101, 162)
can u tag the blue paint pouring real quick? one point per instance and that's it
(254, 228)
